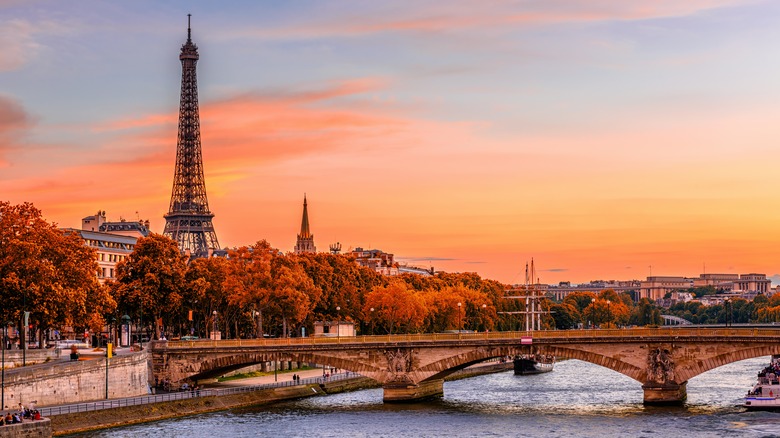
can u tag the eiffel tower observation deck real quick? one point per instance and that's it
(189, 220)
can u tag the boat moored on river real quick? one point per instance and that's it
(533, 364)
(765, 394)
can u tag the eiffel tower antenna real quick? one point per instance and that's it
(188, 221)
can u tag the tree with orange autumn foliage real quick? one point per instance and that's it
(476, 310)
(207, 291)
(343, 284)
(250, 282)
(48, 272)
(293, 294)
(396, 308)
(607, 314)
(150, 282)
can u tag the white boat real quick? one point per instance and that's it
(765, 394)
(533, 364)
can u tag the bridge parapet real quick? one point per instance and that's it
(538, 336)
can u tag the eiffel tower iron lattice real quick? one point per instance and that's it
(188, 221)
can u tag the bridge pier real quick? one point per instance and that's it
(409, 392)
(665, 394)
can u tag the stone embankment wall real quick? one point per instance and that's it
(79, 381)
(15, 358)
(86, 421)
(28, 429)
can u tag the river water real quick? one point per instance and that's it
(578, 399)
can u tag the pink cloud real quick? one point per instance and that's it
(14, 122)
(464, 15)
(13, 116)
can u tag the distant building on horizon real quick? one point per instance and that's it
(305, 243)
(657, 287)
(565, 288)
(376, 259)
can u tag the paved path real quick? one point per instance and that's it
(261, 380)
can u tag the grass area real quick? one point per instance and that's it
(260, 374)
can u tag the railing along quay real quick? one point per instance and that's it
(183, 395)
(435, 337)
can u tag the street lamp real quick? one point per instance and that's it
(214, 331)
(593, 313)
(2, 391)
(372, 321)
(728, 309)
(459, 325)
(484, 308)
(609, 313)
(255, 313)
(338, 321)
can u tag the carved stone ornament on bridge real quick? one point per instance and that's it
(399, 363)
(660, 366)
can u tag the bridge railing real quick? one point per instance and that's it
(436, 337)
(183, 395)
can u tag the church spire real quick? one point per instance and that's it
(305, 238)
(305, 233)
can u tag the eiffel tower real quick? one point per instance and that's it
(188, 221)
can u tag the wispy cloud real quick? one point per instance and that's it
(431, 18)
(18, 43)
(14, 121)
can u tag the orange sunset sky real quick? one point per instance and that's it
(599, 137)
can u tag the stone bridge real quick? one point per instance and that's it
(412, 367)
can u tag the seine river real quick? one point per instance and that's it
(578, 399)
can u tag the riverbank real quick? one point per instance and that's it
(103, 419)
(108, 418)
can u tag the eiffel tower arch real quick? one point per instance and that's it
(189, 220)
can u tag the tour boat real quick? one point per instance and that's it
(533, 364)
(765, 394)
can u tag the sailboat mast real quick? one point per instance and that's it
(527, 314)
(534, 317)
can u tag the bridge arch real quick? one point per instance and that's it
(217, 365)
(702, 366)
(675, 320)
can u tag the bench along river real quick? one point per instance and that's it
(578, 399)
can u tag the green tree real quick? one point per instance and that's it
(645, 313)
(565, 315)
